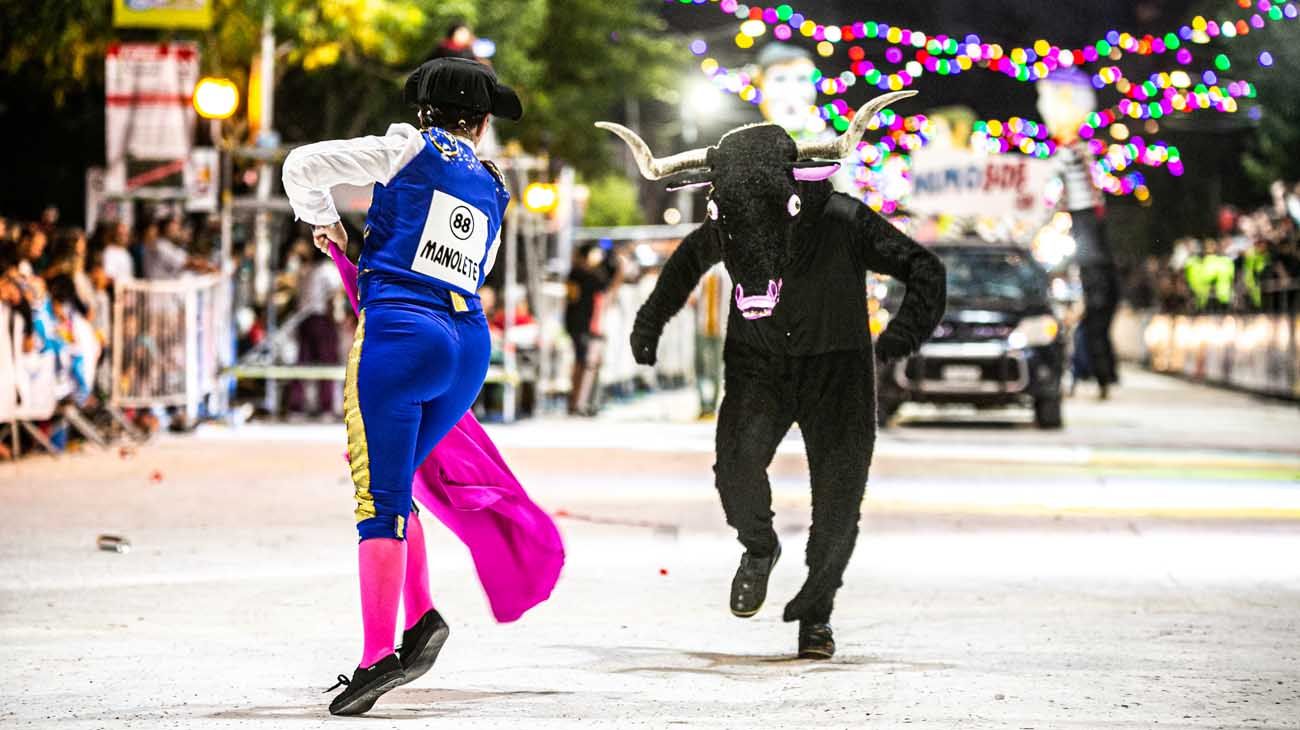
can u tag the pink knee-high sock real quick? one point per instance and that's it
(415, 592)
(383, 566)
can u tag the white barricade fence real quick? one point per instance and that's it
(676, 354)
(676, 345)
(1254, 352)
(171, 339)
(8, 369)
(29, 381)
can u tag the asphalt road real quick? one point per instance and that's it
(1137, 569)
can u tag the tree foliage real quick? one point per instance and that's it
(614, 201)
(341, 63)
(1273, 152)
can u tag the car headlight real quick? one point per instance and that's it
(1034, 332)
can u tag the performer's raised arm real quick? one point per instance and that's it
(311, 170)
(887, 250)
(698, 252)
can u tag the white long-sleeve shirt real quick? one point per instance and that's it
(311, 170)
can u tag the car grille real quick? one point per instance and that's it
(1002, 369)
(970, 332)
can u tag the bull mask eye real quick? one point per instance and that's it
(794, 205)
(713, 210)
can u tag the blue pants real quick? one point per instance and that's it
(416, 366)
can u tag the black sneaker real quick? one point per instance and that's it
(816, 641)
(366, 686)
(749, 587)
(421, 644)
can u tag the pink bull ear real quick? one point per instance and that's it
(814, 174)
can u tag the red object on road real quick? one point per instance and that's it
(663, 571)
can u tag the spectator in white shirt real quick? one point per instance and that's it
(109, 244)
(166, 257)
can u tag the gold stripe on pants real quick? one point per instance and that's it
(358, 449)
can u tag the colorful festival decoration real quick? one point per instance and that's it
(901, 56)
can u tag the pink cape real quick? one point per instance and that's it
(466, 484)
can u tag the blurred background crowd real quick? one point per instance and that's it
(1253, 265)
(188, 292)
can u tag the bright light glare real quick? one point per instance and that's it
(215, 98)
(541, 197)
(704, 100)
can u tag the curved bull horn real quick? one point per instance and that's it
(844, 145)
(654, 168)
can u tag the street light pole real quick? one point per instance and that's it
(227, 220)
(262, 220)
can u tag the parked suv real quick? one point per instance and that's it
(999, 343)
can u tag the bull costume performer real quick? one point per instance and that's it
(798, 348)
(417, 364)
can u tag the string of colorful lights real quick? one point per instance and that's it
(1161, 94)
(946, 55)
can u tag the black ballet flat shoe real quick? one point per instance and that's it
(816, 641)
(421, 644)
(360, 693)
(749, 587)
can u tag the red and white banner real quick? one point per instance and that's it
(149, 119)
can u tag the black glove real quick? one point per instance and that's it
(892, 346)
(644, 347)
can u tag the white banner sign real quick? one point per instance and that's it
(966, 183)
(202, 178)
(149, 119)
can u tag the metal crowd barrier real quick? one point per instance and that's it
(1252, 352)
(171, 340)
(28, 384)
(37, 390)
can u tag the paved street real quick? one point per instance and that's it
(1138, 569)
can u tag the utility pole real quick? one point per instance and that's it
(267, 140)
(266, 137)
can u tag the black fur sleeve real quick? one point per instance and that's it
(887, 250)
(697, 253)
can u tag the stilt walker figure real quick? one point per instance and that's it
(422, 345)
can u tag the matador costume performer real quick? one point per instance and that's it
(798, 349)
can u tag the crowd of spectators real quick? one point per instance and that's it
(1252, 266)
(56, 285)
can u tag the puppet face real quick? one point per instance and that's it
(1065, 100)
(788, 94)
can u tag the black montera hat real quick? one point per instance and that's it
(462, 83)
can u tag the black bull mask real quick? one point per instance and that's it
(754, 205)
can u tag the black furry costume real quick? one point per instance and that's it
(802, 353)
(810, 363)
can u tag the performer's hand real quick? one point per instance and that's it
(323, 235)
(644, 348)
(892, 346)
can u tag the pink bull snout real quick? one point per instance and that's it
(760, 305)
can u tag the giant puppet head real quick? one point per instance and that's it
(788, 92)
(755, 174)
(1065, 99)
